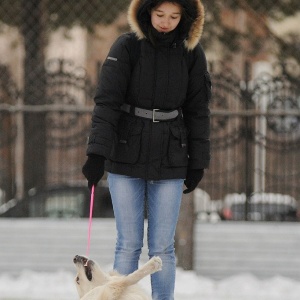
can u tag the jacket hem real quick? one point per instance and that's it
(137, 171)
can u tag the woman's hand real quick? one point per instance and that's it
(193, 177)
(93, 169)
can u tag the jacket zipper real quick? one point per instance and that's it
(168, 76)
(150, 125)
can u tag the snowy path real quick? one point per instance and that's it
(34, 246)
(30, 285)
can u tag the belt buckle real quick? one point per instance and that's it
(153, 115)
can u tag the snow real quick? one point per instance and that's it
(30, 285)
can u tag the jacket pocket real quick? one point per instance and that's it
(208, 85)
(127, 144)
(177, 148)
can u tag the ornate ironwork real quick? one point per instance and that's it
(68, 85)
(284, 124)
(226, 95)
(9, 94)
(278, 94)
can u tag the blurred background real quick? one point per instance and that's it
(51, 53)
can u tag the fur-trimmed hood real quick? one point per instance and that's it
(190, 27)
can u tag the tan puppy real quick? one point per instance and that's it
(93, 284)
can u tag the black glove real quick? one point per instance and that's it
(193, 177)
(93, 169)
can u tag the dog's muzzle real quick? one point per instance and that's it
(87, 264)
(80, 259)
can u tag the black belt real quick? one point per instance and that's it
(156, 115)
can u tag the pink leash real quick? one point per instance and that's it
(90, 221)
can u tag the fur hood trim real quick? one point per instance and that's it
(138, 10)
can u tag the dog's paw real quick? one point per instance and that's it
(156, 263)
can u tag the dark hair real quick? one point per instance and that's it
(158, 2)
(188, 16)
(188, 13)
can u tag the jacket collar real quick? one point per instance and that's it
(139, 20)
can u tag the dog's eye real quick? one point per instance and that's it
(77, 279)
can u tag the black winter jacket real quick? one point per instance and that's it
(150, 70)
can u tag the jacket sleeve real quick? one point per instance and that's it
(110, 95)
(196, 111)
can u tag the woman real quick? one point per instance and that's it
(150, 128)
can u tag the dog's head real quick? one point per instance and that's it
(89, 275)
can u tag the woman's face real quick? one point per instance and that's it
(166, 16)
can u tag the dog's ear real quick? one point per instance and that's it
(88, 271)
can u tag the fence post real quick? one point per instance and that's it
(33, 31)
(246, 95)
(19, 153)
(184, 240)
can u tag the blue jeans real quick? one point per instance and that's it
(163, 205)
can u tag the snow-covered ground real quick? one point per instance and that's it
(42, 243)
(29, 285)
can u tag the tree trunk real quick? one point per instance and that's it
(34, 93)
(185, 233)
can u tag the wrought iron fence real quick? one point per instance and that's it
(255, 134)
(255, 142)
(51, 53)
